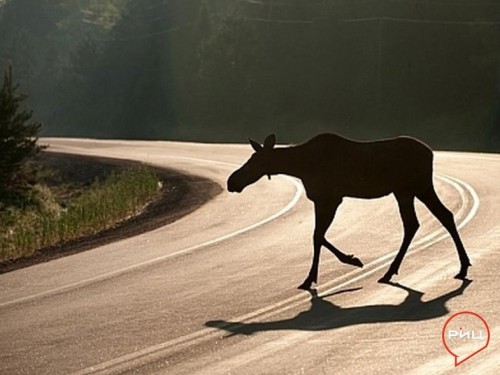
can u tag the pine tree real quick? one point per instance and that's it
(18, 139)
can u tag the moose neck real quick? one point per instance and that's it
(287, 160)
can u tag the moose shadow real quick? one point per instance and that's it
(324, 315)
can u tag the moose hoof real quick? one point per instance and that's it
(306, 285)
(462, 275)
(351, 259)
(386, 279)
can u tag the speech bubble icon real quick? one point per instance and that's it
(465, 334)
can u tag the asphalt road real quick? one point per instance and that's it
(215, 292)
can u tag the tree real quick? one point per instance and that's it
(18, 140)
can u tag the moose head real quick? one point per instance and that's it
(255, 167)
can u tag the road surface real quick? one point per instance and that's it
(215, 292)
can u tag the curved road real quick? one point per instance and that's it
(214, 293)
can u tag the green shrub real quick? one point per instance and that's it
(18, 144)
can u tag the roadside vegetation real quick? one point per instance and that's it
(44, 204)
(54, 219)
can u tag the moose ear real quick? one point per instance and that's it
(255, 145)
(270, 142)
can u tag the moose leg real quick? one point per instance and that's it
(410, 225)
(344, 258)
(324, 214)
(439, 210)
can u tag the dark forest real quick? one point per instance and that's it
(224, 70)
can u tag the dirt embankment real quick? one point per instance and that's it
(180, 195)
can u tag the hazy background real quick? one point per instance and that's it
(223, 70)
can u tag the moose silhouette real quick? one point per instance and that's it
(332, 167)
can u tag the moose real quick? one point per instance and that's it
(332, 167)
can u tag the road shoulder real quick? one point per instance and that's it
(182, 193)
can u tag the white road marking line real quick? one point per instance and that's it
(477, 156)
(111, 274)
(157, 351)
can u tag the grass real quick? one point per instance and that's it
(100, 206)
